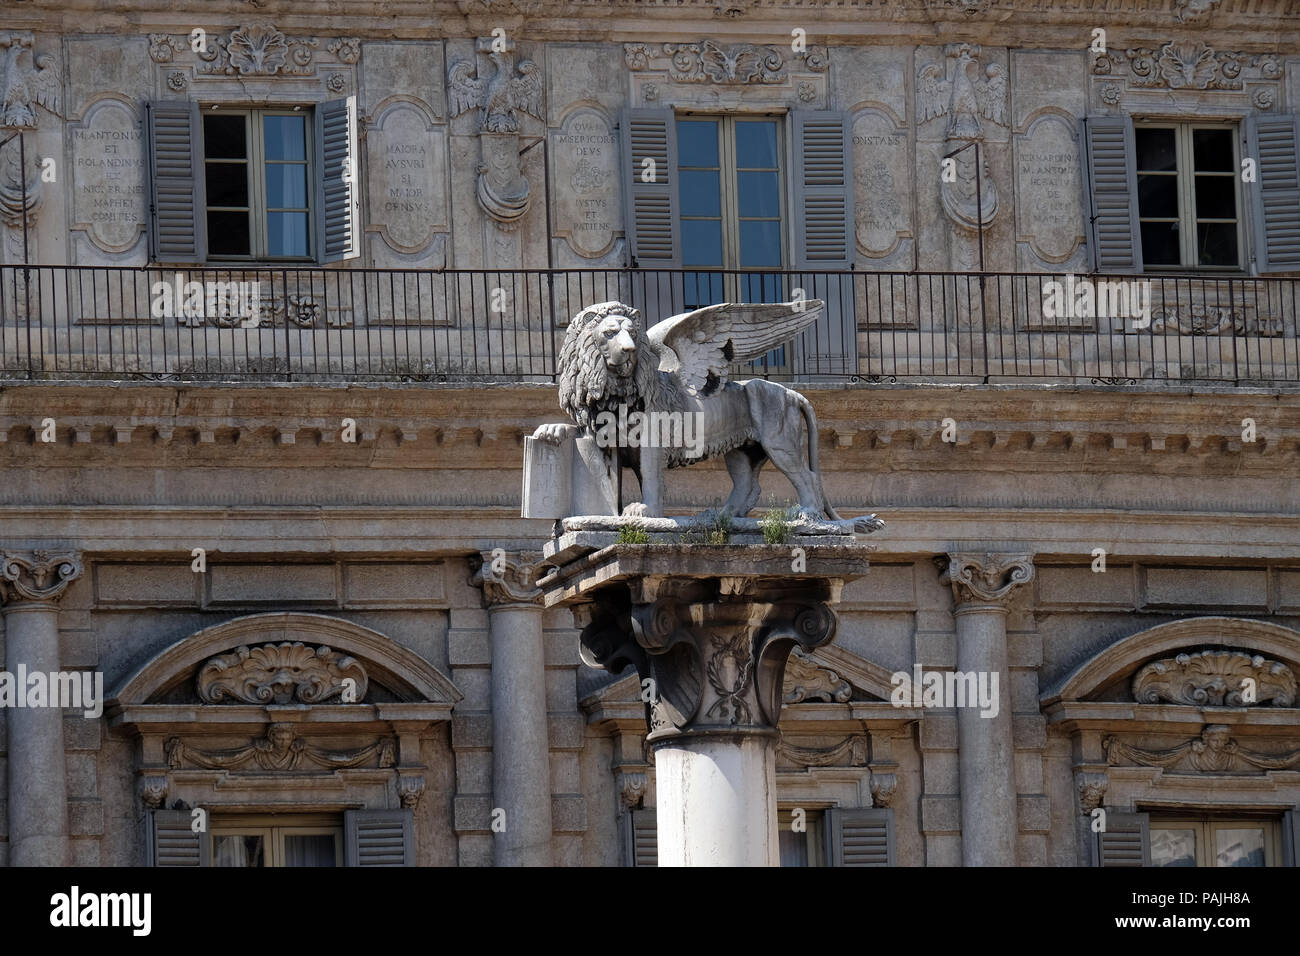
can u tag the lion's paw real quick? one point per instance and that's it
(554, 432)
(636, 509)
(867, 524)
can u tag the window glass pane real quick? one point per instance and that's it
(1216, 244)
(760, 244)
(760, 194)
(284, 137)
(1212, 150)
(697, 142)
(756, 145)
(286, 233)
(794, 848)
(701, 288)
(227, 184)
(700, 195)
(702, 242)
(286, 186)
(1216, 197)
(238, 850)
(1160, 244)
(224, 137)
(1158, 197)
(1173, 847)
(1155, 149)
(1239, 847)
(228, 234)
(309, 849)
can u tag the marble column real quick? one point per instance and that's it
(521, 760)
(982, 585)
(709, 631)
(30, 588)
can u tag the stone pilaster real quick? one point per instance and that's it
(31, 585)
(521, 768)
(982, 586)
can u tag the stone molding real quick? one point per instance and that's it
(988, 578)
(1213, 678)
(37, 576)
(708, 61)
(1215, 751)
(284, 673)
(508, 579)
(281, 749)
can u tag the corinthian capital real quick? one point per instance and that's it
(508, 577)
(987, 578)
(36, 576)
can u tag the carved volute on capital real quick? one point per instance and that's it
(986, 578)
(508, 578)
(39, 576)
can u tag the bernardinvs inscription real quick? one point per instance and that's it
(588, 213)
(108, 176)
(405, 168)
(1050, 188)
(882, 170)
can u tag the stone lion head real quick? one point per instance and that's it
(606, 361)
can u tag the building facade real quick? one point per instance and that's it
(283, 289)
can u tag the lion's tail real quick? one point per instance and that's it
(810, 417)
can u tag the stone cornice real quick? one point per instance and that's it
(988, 578)
(37, 576)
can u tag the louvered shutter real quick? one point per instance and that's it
(654, 234)
(173, 842)
(1290, 839)
(1126, 840)
(823, 190)
(177, 230)
(643, 838)
(379, 838)
(338, 207)
(1114, 234)
(1272, 140)
(860, 837)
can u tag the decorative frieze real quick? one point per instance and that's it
(289, 672)
(37, 576)
(1215, 751)
(1187, 68)
(1216, 679)
(805, 679)
(849, 752)
(735, 65)
(281, 749)
(986, 578)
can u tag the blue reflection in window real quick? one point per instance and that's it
(286, 233)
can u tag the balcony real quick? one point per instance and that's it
(343, 325)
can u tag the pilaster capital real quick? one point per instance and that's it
(988, 578)
(36, 576)
(508, 578)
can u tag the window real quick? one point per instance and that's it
(1213, 841)
(258, 181)
(731, 200)
(1188, 208)
(806, 848)
(267, 841)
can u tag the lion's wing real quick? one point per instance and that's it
(700, 346)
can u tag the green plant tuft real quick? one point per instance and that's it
(631, 534)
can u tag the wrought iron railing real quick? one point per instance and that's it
(331, 325)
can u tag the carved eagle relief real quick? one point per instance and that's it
(962, 92)
(498, 96)
(25, 80)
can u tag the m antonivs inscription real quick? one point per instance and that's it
(587, 207)
(108, 176)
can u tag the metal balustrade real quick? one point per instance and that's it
(456, 326)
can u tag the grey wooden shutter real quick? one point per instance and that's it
(860, 837)
(338, 207)
(654, 234)
(1275, 195)
(1112, 180)
(823, 190)
(379, 838)
(173, 842)
(1126, 840)
(643, 838)
(177, 227)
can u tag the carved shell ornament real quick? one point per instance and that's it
(289, 672)
(1213, 678)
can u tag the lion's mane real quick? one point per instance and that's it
(588, 386)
